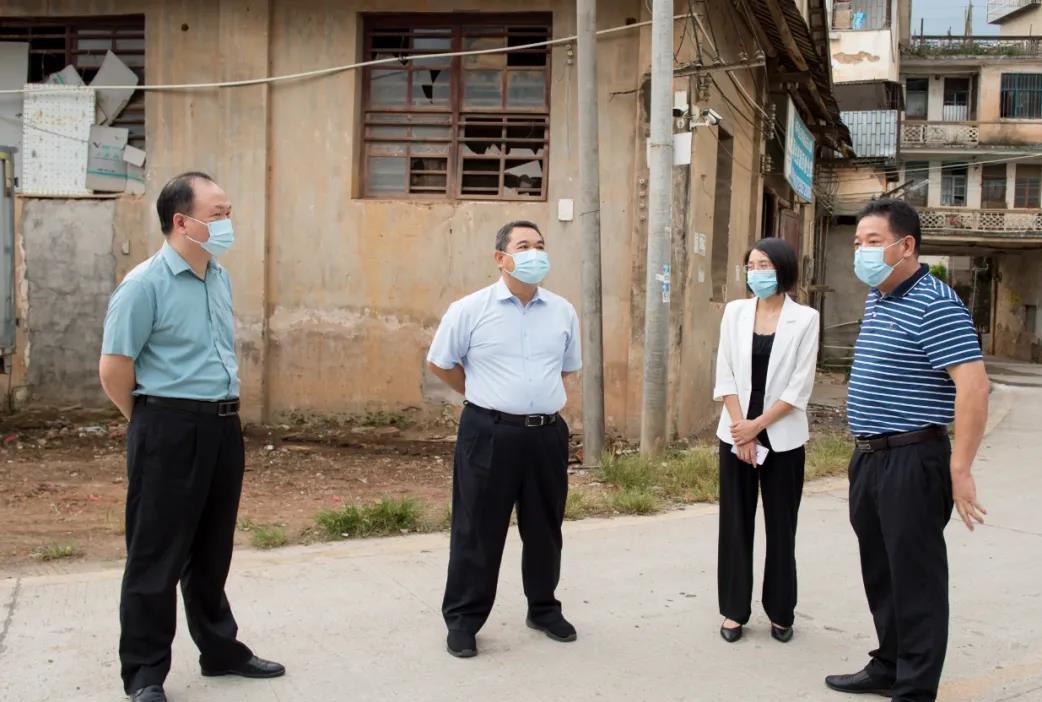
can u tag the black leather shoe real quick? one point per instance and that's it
(559, 630)
(461, 644)
(861, 683)
(152, 693)
(781, 633)
(730, 635)
(253, 668)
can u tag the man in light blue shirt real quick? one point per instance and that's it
(506, 349)
(168, 363)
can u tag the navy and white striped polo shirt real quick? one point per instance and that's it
(908, 338)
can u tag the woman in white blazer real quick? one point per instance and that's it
(764, 376)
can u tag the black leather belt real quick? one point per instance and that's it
(220, 408)
(530, 421)
(870, 444)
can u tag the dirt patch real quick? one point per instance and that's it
(63, 477)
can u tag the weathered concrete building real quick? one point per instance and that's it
(961, 139)
(367, 200)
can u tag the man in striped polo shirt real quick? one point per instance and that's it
(917, 366)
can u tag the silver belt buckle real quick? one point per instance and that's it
(226, 409)
(535, 420)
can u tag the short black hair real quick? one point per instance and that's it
(503, 235)
(902, 217)
(783, 257)
(177, 196)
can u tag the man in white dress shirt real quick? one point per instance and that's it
(507, 348)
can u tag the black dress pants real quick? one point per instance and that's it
(184, 480)
(780, 479)
(497, 466)
(900, 502)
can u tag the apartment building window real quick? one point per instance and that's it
(956, 106)
(861, 14)
(1021, 96)
(993, 187)
(917, 175)
(953, 185)
(82, 42)
(917, 98)
(1027, 186)
(472, 127)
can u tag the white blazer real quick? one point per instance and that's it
(790, 372)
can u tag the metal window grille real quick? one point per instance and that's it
(1021, 96)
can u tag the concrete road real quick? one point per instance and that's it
(360, 620)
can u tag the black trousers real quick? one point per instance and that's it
(498, 465)
(780, 479)
(900, 502)
(184, 480)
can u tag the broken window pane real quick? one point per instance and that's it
(432, 45)
(484, 60)
(431, 87)
(526, 89)
(536, 56)
(483, 89)
(389, 87)
(387, 175)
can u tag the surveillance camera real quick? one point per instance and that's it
(711, 116)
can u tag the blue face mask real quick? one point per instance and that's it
(764, 284)
(530, 266)
(222, 236)
(869, 266)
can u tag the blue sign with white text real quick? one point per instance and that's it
(799, 156)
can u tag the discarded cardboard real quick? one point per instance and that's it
(106, 169)
(135, 178)
(111, 102)
(66, 76)
(134, 156)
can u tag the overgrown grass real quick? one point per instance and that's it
(388, 516)
(58, 552)
(585, 503)
(828, 455)
(634, 501)
(269, 536)
(692, 475)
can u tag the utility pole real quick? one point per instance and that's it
(660, 231)
(590, 226)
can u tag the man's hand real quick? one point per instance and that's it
(118, 381)
(455, 378)
(747, 453)
(964, 491)
(746, 430)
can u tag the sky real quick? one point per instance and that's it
(940, 15)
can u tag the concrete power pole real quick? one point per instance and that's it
(590, 226)
(660, 231)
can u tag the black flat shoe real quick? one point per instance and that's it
(860, 683)
(559, 630)
(781, 633)
(152, 693)
(731, 635)
(461, 644)
(253, 668)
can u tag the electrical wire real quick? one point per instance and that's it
(401, 60)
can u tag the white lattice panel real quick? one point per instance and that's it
(55, 133)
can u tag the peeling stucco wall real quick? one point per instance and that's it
(1019, 288)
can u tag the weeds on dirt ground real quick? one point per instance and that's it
(58, 552)
(634, 501)
(388, 516)
(828, 455)
(265, 535)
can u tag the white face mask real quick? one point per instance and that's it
(222, 235)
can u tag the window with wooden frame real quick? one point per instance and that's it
(82, 42)
(993, 187)
(1027, 186)
(470, 127)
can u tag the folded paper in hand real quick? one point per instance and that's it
(761, 453)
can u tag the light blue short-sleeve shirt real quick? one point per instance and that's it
(178, 328)
(512, 354)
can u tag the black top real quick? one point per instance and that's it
(762, 345)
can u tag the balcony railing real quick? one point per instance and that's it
(939, 134)
(943, 46)
(939, 219)
(997, 9)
